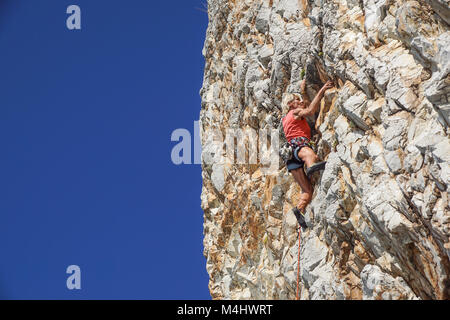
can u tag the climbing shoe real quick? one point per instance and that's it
(315, 167)
(300, 218)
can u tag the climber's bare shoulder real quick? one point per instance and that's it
(301, 113)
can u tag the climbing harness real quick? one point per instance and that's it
(286, 152)
(289, 148)
(302, 142)
(298, 263)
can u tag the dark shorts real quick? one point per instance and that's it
(296, 145)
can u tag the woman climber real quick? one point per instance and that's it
(298, 134)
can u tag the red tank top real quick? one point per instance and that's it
(295, 128)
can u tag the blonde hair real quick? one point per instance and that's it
(288, 97)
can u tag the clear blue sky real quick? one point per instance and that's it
(86, 176)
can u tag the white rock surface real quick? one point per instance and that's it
(380, 217)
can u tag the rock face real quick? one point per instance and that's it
(380, 218)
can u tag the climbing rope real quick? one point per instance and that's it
(298, 263)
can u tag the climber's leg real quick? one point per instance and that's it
(308, 156)
(311, 160)
(307, 191)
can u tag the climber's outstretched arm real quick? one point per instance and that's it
(300, 113)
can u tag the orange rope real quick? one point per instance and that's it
(298, 262)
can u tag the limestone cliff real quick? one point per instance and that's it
(380, 219)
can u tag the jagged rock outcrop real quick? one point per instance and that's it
(380, 218)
